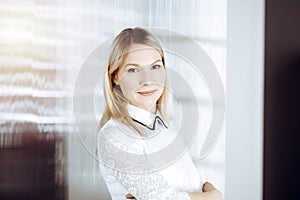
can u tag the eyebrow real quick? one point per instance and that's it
(134, 64)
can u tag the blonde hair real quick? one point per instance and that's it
(115, 107)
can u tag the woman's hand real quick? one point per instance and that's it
(129, 196)
(209, 193)
(207, 186)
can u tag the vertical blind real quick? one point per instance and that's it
(34, 95)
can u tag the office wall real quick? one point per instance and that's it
(244, 103)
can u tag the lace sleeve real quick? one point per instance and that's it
(125, 159)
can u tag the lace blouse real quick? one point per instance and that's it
(131, 163)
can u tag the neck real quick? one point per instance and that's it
(151, 109)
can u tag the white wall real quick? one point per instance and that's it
(244, 120)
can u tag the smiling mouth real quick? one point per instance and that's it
(147, 93)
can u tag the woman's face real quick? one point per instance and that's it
(142, 76)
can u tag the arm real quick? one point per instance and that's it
(209, 193)
(147, 185)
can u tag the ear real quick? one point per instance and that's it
(115, 79)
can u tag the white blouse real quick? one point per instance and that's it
(131, 163)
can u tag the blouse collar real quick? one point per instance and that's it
(143, 116)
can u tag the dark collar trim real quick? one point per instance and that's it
(153, 127)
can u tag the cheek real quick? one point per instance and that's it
(160, 77)
(128, 85)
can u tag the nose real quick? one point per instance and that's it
(146, 77)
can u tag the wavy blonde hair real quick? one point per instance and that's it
(115, 107)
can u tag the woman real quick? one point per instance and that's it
(135, 128)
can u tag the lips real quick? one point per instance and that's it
(147, 93)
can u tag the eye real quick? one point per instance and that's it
(156, 66)
(133, 70)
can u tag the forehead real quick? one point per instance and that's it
(142, 54)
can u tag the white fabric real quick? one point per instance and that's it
(127, 168)
(140, 114)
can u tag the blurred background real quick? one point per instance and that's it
(43, 46)
(254, 45)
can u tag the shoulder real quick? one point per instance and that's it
(115, 128)
(111, 129)
(109, 126)
(115, 134)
